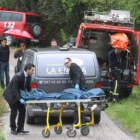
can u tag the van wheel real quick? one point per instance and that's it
(97, 116)
(10, 40)
(29, 119)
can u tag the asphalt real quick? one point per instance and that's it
(105, 130)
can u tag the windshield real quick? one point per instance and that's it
(49, 65)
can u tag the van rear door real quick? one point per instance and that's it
(136, 55)
(52, 75)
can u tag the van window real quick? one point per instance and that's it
(53, 65)
(26, 59)
(5, 16)
(32, 19)
(16, 17)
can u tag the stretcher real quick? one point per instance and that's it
(89, 106)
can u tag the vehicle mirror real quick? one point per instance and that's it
(16, 69)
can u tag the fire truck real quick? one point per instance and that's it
(94, 34)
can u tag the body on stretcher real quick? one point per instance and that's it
(90, 106)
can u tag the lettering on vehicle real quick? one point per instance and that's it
(9, 24)
(55, 82)
(61, 70)
(89, 81)
(60, 81)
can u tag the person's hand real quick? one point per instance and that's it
(22, 101)
(77, 86)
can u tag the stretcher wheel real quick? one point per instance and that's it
(71, 133)
(58, 131)
(85, 130)
(47, 134)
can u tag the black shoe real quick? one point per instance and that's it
(14, 132)
(22, 131)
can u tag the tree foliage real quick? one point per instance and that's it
(62, 17)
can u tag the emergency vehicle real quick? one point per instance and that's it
(21, 21)
(94, 34)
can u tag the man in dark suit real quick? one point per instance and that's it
(20, 81)
(75, 73)
(78, 81)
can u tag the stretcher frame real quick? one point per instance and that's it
(58, 127)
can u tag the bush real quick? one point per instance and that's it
(2, 111)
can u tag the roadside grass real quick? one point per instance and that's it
(28, 47)
(128, 112)
(2, 111)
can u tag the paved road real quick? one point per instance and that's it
(106, 130)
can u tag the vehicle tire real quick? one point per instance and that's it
(97, 116)
(71, 133)
(29, 119)
(47, 134)
(85, 130)
(10, 40)
(36, 30)
(126, 92)
(58, 131)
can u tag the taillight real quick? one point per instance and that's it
(98, 85)
(34, 85)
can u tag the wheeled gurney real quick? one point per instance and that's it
(89, 105)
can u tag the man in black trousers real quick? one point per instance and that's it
(20, 81)
(114, 67)
(4, 62)
(78, 81)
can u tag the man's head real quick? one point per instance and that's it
(53, 43)
(67, 62)
(22, 45)
(3, 42)
(29, 68)
(117, 50)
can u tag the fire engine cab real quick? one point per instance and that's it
(94, 34)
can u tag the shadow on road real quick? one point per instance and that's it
(53, 120)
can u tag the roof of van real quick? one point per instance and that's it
(60, 49)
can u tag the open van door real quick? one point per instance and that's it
(136, 56)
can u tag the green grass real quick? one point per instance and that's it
(30, 47)
(128, 112)
(2, 111)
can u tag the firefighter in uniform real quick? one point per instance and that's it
(114, 68)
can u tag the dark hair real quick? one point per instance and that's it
(3, 39)
(28, 66)
(68, 58)
(22, 42)
(53, 40)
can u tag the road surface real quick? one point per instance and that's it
(106, 130)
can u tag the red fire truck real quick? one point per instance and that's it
(94, 34)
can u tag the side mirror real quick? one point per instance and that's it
(72, 41)
(16, 69)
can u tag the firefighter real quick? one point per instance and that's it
(114, 68)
